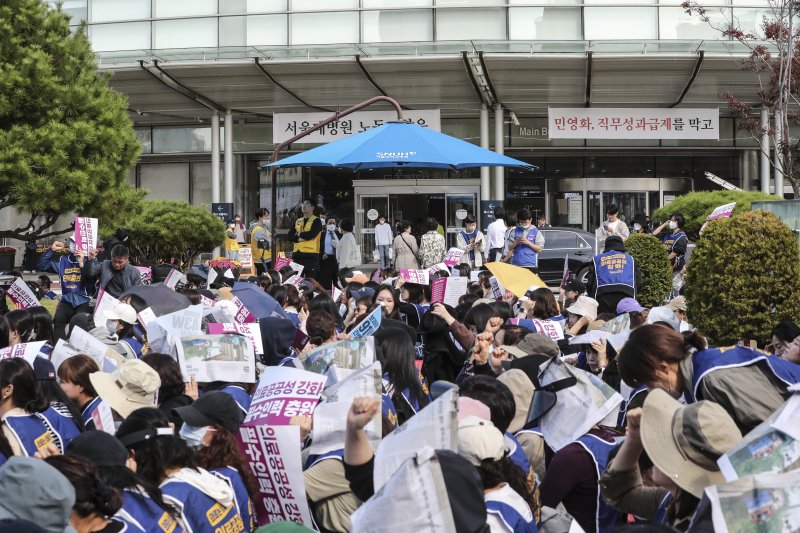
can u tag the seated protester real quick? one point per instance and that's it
(683, 467)
(747, 383)
(73, 377)
(120, 321)
(403, 384)
(240, 392)
(132, 385)
(569, 293)
(321, 329)
(292, 303)
(580, 314)
(357, 308)
(540, 305)
(532, 443)
(21, 328)
(96, 502)
(785, 340)
(277, 336)
(205, 502)
(210, 426)
(387, 297)
(415, 301)
(139, 304)
(85, 321)
(43, 328)
(508, 501)
(173, 388)
(444, 355)
(58, 401)
(664, 316)
(510, 335)
(324, 302)
(29, 423)
(44, 283)
(142, 502)
(36, 492)
(462, 270)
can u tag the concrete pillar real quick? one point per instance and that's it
(744, 170)
(215, 157)
(778, 158)
(228, 157)
(499, 172)
(486, 193)
(764, 167)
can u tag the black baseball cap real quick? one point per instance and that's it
(575, 285)
(44, 369)
(214, 407)
(101, 448)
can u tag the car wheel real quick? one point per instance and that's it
(583, 275)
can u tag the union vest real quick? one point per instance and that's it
(139, 508)
(670, 239)
(706, 361)
(259, 254)
(517, 454)
(523, 254)
(468, 238)
(615, 272)
(599, 450)
(240, 395)
(200, 512)
(510, 517)
(661, 514)
(91, 407)
(240, 494)
(306, 247)
(37, 430)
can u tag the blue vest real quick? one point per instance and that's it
(388, 409)
(614, 272)
(421, 309)
(200, 512)
(467, 238)
(37, 430)
(294, 317)
(90, 408)
(599, 450)
(140, 509)
(670, 239)
(240, 395)
(523, 254)
(510, 517)
(135, 346)
(314, 459)
(240, 494)
(706, 361)
(661, 514)
(517, 454)
(622, 419)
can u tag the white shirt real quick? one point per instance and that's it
(496, 234)
(383, 234)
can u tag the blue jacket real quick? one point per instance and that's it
(242, 497)
(73, 289)
(139, 509)
(200, 513)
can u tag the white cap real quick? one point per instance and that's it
(479, 439)
(123, 312)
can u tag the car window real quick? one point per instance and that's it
(560, 239)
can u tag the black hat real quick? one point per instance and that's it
(101, 448)
(44, 369)
(575, 285)
(215, 407)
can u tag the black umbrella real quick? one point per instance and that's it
(160, 298)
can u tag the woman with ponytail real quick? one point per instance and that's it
(750, 385)
(320, 328)
(20, 327)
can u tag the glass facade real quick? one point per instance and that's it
(166, 24)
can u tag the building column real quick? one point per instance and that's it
(486, 193)
(778, 159)
(499, 172)
(764, 167)
(215, 158)
(228, 157)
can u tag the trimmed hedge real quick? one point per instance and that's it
(696, 206)
(744, 277)
(656, 271)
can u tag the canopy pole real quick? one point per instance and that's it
(486, 193)
(284, 144)
(499, 172)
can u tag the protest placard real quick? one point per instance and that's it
(146, 316)
(212, 277)
(246, 257)
(86, 343)
(329, 431)
(163, 331)
(61, 352)
(105, 302)
(251, 331)
(722, 211)
(21, 295)
(207, 302)
(225, 357)
(474, 275)
(297, 267)
(103, 418)
(433, 269)
(281, 262)
(414, 276)
(243, 314)
(335, 293)
(369, 325)
(25, 350)
(273, 454)
(453, 256)
(353, 354)
(85, 234)
(448, 290)
(173, 278)
(436, 425)
(498, 291)
(146, 274)
(284, 392)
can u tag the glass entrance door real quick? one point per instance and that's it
(630, 204)
(371, 208)
(458, 207)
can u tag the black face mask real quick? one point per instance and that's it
(544, 399)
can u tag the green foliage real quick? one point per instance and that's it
(162, 230)
(743, 278)
(654, 266)
(696, 206)
(66, 141)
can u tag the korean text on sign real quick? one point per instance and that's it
(633, 123)
(284, 392)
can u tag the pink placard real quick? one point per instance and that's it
(284, 392)
(85, 234)
(281, 262)
(243, 314)
(722, 211)
(438, 287)
(415, 276)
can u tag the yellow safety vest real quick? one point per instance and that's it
(306, 247)
(258, 253)
(230, 242)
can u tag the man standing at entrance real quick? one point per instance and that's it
(612, 225)
(306, 236)
(525, 242)
(496, 235)
(383, 240)
(261, 240)
(613, 275)
(329, 241)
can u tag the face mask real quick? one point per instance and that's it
(331, 227)
(526, 226)
(470, 229)
(673, 224)
(111, 326)
(193, 435)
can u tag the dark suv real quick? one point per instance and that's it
(576, 244)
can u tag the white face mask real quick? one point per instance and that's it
(111, 326)
(193, 435)
(673, 224)
(526, 225)
(331, 227)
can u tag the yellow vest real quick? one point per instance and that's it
(230, 242)
(258, 253)
(306, 247)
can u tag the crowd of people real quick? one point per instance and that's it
(139, 446)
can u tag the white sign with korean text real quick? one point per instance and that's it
(633, 123)
(287, 125)
(22, 295)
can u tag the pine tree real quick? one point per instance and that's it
(66, 141)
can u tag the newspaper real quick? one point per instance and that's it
(352, 354)
(173, 278)
(765, 449)
(331, 414)
(787, 420)
(414, 499)
(165, 330)
(251, 331)
(105, 302)
(369, 325)
(226, 357)
(577, 408)
(87, 344)
(282, 393)
(766, 503)
(435, 426)
(26, 350)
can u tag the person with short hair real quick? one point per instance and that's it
(383, 240)
(675, 241)
(613, 275)
(261, 240)
(496, 236)
(541, 221)
(471, 241)
(613, 225)
(115, 275)
(404, 248)
(329, 241)
(786, 341)
(347, 255)
(306, 238)
(432, 245)
(525, 242)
